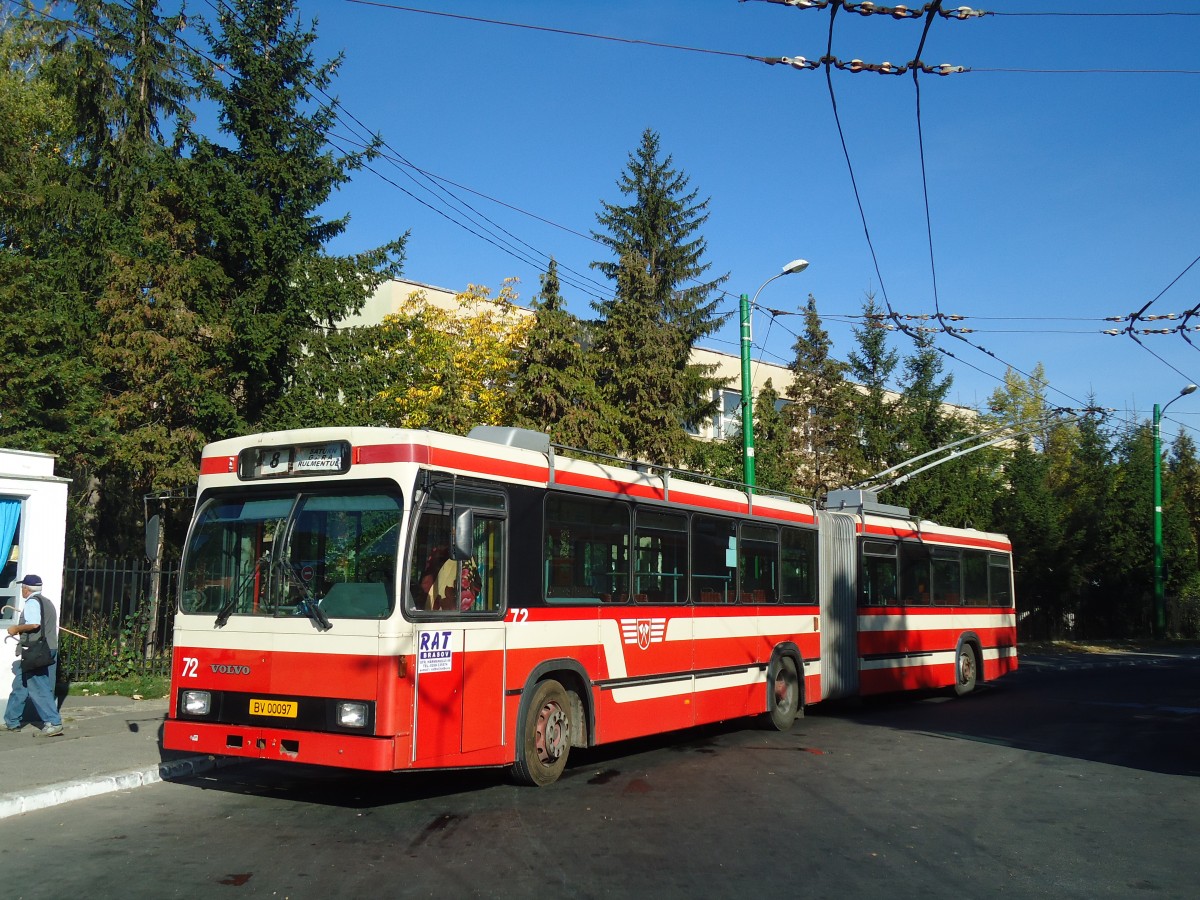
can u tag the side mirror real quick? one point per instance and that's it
(463, 534)
(153, 533)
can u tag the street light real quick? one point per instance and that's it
(1160, 605)
(796, 265)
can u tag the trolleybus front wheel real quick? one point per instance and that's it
(545, 736)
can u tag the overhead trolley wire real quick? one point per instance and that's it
(828, 62)
(485, 228)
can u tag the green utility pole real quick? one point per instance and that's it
(747, 399)
(1160, 596)
(745, 306)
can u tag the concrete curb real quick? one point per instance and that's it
(55, 794)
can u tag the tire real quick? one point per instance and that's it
(545, 738)
(966, 670)
(783, 692)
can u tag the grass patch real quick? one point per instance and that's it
(147, 687)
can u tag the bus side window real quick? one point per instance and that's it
(914, 573)
(452, 579)
(585, 550)
(878, 574)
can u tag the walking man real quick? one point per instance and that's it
(38, 617)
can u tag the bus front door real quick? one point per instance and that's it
(459, 706)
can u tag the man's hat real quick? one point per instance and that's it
(31, 580)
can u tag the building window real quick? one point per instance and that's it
(728, 419)
(10, 550)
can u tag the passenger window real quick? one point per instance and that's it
(758, 564)
(714, 560)
(660, 557)
(799, 566)
(915, 577)
(586, 550)
(878, 582)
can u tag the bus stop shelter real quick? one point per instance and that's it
(33, 531)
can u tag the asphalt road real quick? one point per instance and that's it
(1047, 784)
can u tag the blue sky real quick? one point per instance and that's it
(1055, 199)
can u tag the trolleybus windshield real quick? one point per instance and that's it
(323, 555)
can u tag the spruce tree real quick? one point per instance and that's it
(635, 349)
(773, 469)
(872, 366)
(1086, 497)
(824, 442)
(93, 234)
(1183, 600)
(263, 188)
(555, 385)
(1033, 520)
(960, 491)
(660, 308)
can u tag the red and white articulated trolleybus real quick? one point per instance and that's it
(385, 600)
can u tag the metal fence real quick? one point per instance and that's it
(107, 603)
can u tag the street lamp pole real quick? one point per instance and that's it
(796, 265)
(1160, 605)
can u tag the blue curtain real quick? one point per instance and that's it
(10, 512)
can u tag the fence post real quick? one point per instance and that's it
(154, 549)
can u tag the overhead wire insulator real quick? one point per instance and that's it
(1113, 331)
(801, 4)
(940, 69)
(796, 62)
(962, 13)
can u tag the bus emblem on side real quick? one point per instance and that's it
(643, 632)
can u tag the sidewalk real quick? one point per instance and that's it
(113, 743)
(108, 744)
(1067, 656)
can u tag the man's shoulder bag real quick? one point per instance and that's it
(37, 653)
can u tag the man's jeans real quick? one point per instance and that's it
(37, 686)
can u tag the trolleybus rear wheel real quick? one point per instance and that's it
(784, 701)
(545, 737)
(966, 670)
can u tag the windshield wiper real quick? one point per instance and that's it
(308, 603)
(313, 610)
(226, 610)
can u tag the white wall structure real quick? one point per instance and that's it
(33, 507)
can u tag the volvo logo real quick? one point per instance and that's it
(230, 670)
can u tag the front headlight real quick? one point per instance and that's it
(196, 703)
(351, 714)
